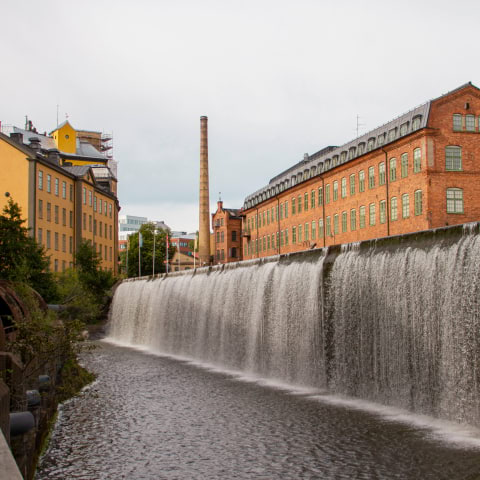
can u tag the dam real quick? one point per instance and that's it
(394, 321)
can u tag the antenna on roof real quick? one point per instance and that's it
(359, 124)
(219, 196)
(58, 106)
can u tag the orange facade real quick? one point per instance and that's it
(226, 240)
(418, 172)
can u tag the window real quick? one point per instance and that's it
(393, 169)
(457, 122)
(70, 219)
(383, 211)
(344, 222)
(85, 221)
(90, 223)
(418, 202)
(95, 203)
(56, 240)
(64, 189)
(268, 242)
(110, 209)
(305, 201)
(299, 234)
(417, 160)
(320, 196)
(299, 204)
(371, 214)
(286, 209)
(40, 180)
(381, 139)
(327, 193)
(40, 208)
(314, 230)
(56, 186)
(306, 230)
(404, 128)
(454, 200)
(361, 181)
(453, 158)
(404, 164)
(470, 123)
(49, 183)
(353, 219)
(281, 211)
(286, 236)
(48, 239)
(234, 252)
(56, 265)
(293, 207)
(344, 187)
(381, 173)
(268, 217)
(71, 192)
(335, 224)
(64, 243)
(84, 196)
(393, 209)
(416, 122)
(64, 217)
(329, 227)
(335, 190)
(234, 235)
(40, 236)
(392, 134)
(312, 199)
(90, 198)
(352, 184)
(294, 234)
(362, 216)
(70, 245)
(282, 238)
(405, 205)
(371, 177)
(320, 229)
(49, 211)
(370, 144)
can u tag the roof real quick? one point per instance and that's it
(86, 149)
(234, 212)
(331, 157)
(47, 143)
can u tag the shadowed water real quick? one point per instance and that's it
(153, 417)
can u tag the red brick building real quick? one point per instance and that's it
(227, 242)
(416, 172)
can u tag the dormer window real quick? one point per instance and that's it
(371, 144)
(335, 160)
(416, 122)
(361, 148)
(404, 128)
(381, 139)
(343, 157)
(392, 134)
(327, 163)
(351, 153)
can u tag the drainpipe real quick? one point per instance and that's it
(323, 210)
(278, 224)
(387, 179)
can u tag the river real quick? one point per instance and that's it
(159, 417)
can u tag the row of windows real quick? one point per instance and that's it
(220, 237)
(102, 230)
(453, 162)
(56, 185)
(399, 207)
(96, 202)
(56, 240)
(465, 123)
(220, 254)
(56, 216)
(102, 253)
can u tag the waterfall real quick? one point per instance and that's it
(394, 321)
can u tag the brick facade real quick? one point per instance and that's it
(227, 241)
(410, 195)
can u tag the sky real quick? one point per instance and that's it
(276, 79)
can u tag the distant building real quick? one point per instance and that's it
(65, 197)
(183, 242)
(128, 224)
(417, 172)
(180, 262)
(227, 227)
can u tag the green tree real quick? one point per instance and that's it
(147, 231)
(22, 259)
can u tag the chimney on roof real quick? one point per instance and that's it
(305, 157)
(17, 137)
(34, 144)
(53, 156)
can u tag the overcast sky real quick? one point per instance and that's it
(276, 79)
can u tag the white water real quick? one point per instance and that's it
(398, 326)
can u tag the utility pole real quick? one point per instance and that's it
(153, 259)
(359, 124)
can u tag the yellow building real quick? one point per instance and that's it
(62, 202)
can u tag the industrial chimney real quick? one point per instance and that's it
(204, 218)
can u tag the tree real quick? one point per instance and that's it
(147, 231)
(22, 259)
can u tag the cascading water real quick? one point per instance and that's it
(394, 321)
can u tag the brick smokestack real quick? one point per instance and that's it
(204, 219)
